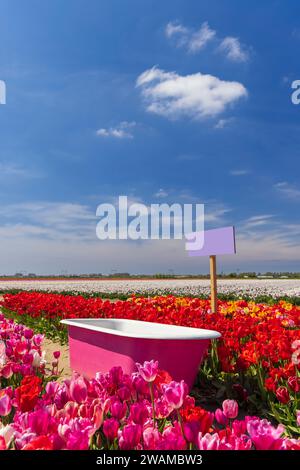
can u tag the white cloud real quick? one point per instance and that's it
(161, 193)
(200, 38)
(51, 220)
(16, 171)
(215, 213)
(287, 190)
(46, 237)
(257, 220)
(122, 131)
(192, 40)
(195, 96)
(256, 250)
(174, 29)
(234, 50)
(239, 172)
(195, 40)
(223, 123)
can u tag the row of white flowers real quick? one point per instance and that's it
(239, 287)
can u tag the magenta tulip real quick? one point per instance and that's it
(264, 435)
(56, 354)
(130, 436)
(148, 371)
(110, 428)
(78, 390)
(118, 409)
(139, 413)
(220, 417)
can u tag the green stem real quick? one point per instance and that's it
(152, 401)
(180, 422)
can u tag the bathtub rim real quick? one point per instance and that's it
(183, 332)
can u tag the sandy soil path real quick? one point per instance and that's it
(64, 363)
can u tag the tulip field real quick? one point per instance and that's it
(246, 396)
(119, 288)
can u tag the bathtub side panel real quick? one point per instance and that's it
(94, 351)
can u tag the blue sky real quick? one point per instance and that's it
(168, 101)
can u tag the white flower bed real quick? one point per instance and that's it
(239, 287)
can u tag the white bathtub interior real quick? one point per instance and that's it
(141, 329)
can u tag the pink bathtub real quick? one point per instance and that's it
(96, 345)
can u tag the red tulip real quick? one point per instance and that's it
(283, 395)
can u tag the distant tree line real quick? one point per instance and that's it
(125, 275)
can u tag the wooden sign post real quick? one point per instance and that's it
(213, 283)
(220, 241)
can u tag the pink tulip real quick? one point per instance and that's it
(5, 404)
(9, 391)
(116, 375)
(239, 427)
(71, 409)
(291, 444)
(63, 430)
(264, 435)
(209, 441)
(162, 408)
(220, 417)
(230, 408)
(296, 344)
(7, 371)
(298, 417)
(38, 359)
(191, 431)
(151, 438)
(28, 333)
(78, 390)
(139, 413)
(175, 393)
(62, 396)
(124, 393)
(52, 388)
(96, 414)
(9, 350)
(39, 422)
(140, 385)
(130, 436)
(110, 429)
(6, 434)
(21, 348)
(24, 369)
(148, 371)
(173, 438)
(118, 409)
(233, 442)
(2, 443)
(28, 358)
(2, 353)
(38, 339)
(83, 411)
(78, 440)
